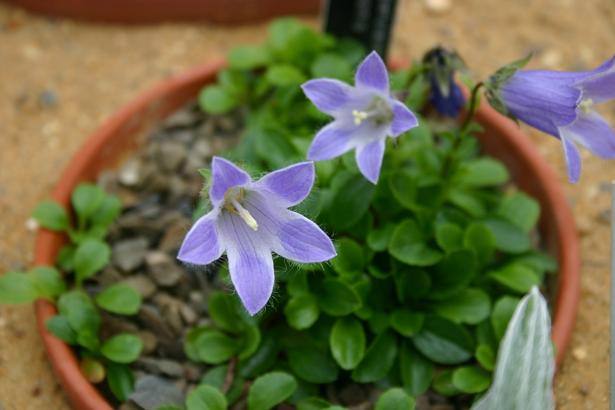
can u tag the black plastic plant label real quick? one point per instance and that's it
(368, 21)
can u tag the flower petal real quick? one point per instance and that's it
(330, 142)
(403, 119)
(327, 95)
(225, 175)
(369, 159)
(250, 262)
(573, 160)
(301, 240)
(291, 184)
(373, 73)
(600, 85)
(201, 245)
(593, 132)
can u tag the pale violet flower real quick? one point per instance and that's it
(249, 221)
(561, 104)
(363, 116)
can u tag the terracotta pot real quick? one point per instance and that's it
(156, 11)
(125, 131)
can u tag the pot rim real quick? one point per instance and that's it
(83, 395)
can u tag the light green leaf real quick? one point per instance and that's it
(122, 348)
(301, 311)
(17, 287)
(120, 299)
(347, 342)
(270, 389)
(395, 399)
(206, 397)
(470, 306)
(51, 215)
(409, 246)
(471, 379)
(90, 256)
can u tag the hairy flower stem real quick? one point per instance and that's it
(448, 161)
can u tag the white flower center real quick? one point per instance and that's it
(232, 203)
(379, 112)
(586, 105)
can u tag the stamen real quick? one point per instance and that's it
(359, 116)
(245, 215)
(586, 105)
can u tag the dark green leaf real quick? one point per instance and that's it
(263, 359)
(206, 397)
(378, 239)
(270, 389)
(351, 196)
(313, 403)
(395, 399)
(91, 256)
(121, 380)
(467, 201)
(502, 312)
(122, 348)
(452, 274)
(416, 371)
(313, 364)
(508, 237)
(409, 246)
(337, 298)
(347, 342)
(250, 338)
(443, 341)
(378, 359)
(350, 257)
(59, 327)
(77, 307)
(120, 299)
(478, 238)
(17, 287)
(301, 311)
(449, 237)
(443, 384)
(406, 322)
(225, 311)
(471, 379)
(469, 306)
(214, 347)
(51, 215)
(485, 356)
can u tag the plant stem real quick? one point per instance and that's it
(459, 133)
(230, 375)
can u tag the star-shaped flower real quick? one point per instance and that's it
(249, 220)
(364, 116)
(560, 104)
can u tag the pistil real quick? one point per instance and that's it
(244, 214)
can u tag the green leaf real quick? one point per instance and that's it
(122, 348)
(313, 403)
(313, 364)
(378, 359)
(444, 342)
(337, 298)
(471, 379)
(86, 198)
(478, 238)
(206, 398)
(47, 281)
(350, 257)
(409, 246)
(378, 239)
(121, 380)
(485, 356)
(347, 342)
(470, 306)
(273, 146)
(214, 99)
(17, 287)
(301, 311)
(443, 384)
(250, 338)
(517, 277)
(467, 201)
(77, 307)
(417, 94)
(416, 371)
(91, 256)
(214, 347)
(395, 399)
(351, 195)
(59, 327)
(329, 65)
(453, 274)
(284, 75)
(226, 313)
(107, 211)
(270, 389)
(51, 215)
(502, 312)
(449, 236)
(120, 299)
(508, 237)
(406, 322)
(263, 359)
(520, 210)
(248, 57)
(485, 172)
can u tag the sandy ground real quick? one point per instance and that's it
(60, 79)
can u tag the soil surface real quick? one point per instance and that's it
(60, 79)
